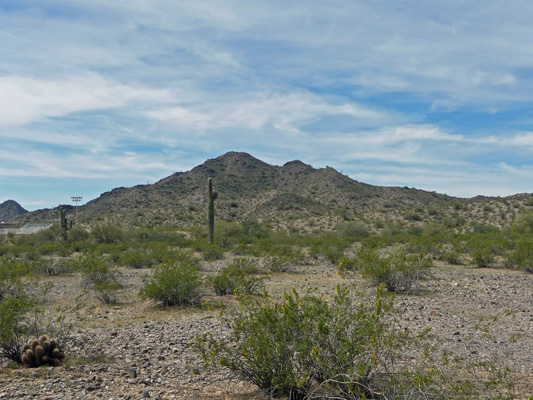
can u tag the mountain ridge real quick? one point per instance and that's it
(292, 194)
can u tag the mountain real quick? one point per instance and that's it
(10, 209)
(294, 195)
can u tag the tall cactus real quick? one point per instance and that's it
(211, 197)
(65, 226)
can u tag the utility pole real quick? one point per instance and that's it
(76, 199)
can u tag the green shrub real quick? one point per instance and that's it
(483, 256)
(12, 274)
(101, 277)
(413, 216)
(277, 264)
(14, 327)
(452, 256)
(173, 284)
(57, 266)
(399, 271)
(254, 230)
(484, 228)
(522, 256)
(78, 234)
(246, 264)
(145, 257)
(288, 349)
(107, 233)
(235, 277)
(228, 234)
(353, 230)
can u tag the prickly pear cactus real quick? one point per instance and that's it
(42, 351)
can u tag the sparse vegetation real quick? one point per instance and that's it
(299, 346)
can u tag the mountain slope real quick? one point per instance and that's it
(294, 195)
(248, 188)
(10, 209)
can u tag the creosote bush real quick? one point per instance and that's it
(173, 284)
(522, 256)
(14, 327)
(399, 270)
(100, 276)
(305, 345)
(236, 277)
(107, 233)
(13, 271)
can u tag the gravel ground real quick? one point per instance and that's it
(135, 350)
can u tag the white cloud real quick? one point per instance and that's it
(24, 100)
(282, 112)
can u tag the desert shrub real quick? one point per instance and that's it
(252, 229)
(235, 278)
(484, 228)
(14, 327)
(13, 271)
(107, 233)
(522, 255)
(49, 248)
(101, 277)
(277, 264)
(288, 349)
(483, 257)
(228, 234)
(399, 271)
(329, 247)
(145, 257)
(353, 230)
(413, 216)
(246, 264)
(136, 258)
(482, 253)
(212, 252)
(452, 256)
(173, 284)
(432, 210)
(78, 234)
(57, 266)
(524, 223)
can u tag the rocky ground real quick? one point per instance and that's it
(136, 350)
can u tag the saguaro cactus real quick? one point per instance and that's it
(211, 197)
(65, 226)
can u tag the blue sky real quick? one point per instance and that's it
(100, 94)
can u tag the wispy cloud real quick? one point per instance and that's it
(26, 100)
(429, 95)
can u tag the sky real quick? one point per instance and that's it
(101, 94)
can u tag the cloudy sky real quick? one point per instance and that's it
(98, 94)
